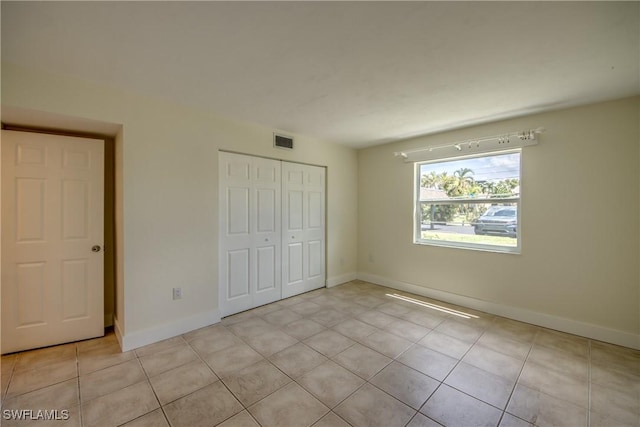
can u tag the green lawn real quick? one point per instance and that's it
(469, 238)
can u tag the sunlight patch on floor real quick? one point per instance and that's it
(434, 306)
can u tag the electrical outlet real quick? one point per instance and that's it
(177, 293)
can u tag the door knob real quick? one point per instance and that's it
(95, 248)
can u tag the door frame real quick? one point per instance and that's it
(109, 214)
(326, 208)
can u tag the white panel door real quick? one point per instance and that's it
(267, 238)
(52, 239)
(235, 235)
(303, 223)
(250, 233)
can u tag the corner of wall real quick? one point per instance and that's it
(164, 331)
(339, 280)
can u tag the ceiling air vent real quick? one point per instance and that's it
(280, 141)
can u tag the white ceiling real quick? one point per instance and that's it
(357, 73)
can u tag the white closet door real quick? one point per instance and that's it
(267, 237)
(52, 238)
(250, 233)
(303, 223)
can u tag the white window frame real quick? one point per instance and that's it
(417, 222)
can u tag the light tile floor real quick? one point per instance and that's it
(349, 355)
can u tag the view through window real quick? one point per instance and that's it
(470, 202)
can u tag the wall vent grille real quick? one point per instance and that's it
(281, 141)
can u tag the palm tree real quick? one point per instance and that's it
(464, 174)
(487, 187)
(429, 180)
(464, 181)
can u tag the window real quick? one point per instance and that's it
(470, 202)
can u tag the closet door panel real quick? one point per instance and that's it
(250, 232)
(235, 194)
(303, 190)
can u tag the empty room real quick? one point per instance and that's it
(320, 214)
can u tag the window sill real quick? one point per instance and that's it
(514, 250)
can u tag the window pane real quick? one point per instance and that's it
(474, 223)
(470, 202)
(487, 176)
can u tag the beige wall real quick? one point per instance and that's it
(580, 227)
(166, 184)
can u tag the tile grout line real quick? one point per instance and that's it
(244, 408)
(78, 385)
(137, 359)
(331, 359)
(395, 359)
(194, 391)
(161, 406)
(452, 369)
(6, 390)
(589, 387)
(293, 380)
(41, 387)
(443, 380)
(146, 374)
(547, 393)
(515, 384)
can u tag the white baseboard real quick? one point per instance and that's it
(339, 280)
(132, 340)
(588, 330)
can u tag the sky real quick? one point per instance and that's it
(491, 168)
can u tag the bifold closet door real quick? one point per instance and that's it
(250, 232)
(303, 223)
